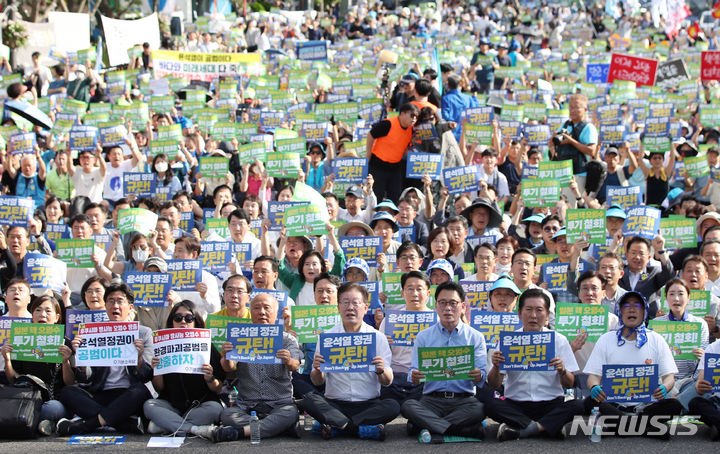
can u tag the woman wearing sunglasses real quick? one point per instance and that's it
(186, 403)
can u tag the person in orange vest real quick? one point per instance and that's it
(386, 144)
(423, 88)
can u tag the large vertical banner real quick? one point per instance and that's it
(120, 35)
(72, 30)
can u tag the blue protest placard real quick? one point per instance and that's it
(612, 134)
(347, 352)
(97, 440)
(54, 232)
(527, 350)
(74, 318)
(242, 252)
(529, 171)
(312, 50)
(476, 292)
(150, 289)
(253, 343)
(279, 295)
(102, 240)
(6, 324)
(16, 210)
(626, 383)
(142, 184)
(512, 129)
(657, 127)
(271, 119)
(112, 134)
(186, 274)
(419, 164)
(537, 135)
(491, 324)
(404, 326)
(461, 179)
(215, 255)
(314, 131)
(555, 275)
(43, 271)
(405, 233)
(642, 221)
(83, 138)
(478, 115)
(597, 72)
(276, 213)
(625, 196)
(711, 370)
(364, 247)
(475, 240)
(350, 170)
(22, 143)
(373, 288)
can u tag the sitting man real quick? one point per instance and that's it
(448, 407)
(352, 402)
(108, 396)
(534, 400)
(263, 388)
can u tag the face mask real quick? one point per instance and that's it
(161, 166)
(140, 255)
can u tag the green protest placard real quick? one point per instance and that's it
(560, 171)
(218, 227)
(309, 321)
(512, 112)
(74, 106)
(303, 220)
(682, 337)
(76, 253)
(392, 288)
(36, 342)
(535, 111)
(296, 145)
(697, 166)
(95, 119)
(710, 115)
(478, 134)
(679, 232)
(345, 111)
(162, 103)
(250, 151)
(540, 192)
(285, 134)
(217, 324)
(206, 121)
(446, 363)
(170, 132)
(167, 147)
(572, 319)
(698, 304)
(586, 224)
(214, 166)
(656, 144)
(136, 220)
(224, 130)
(283, 165)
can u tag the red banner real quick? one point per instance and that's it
(710, 65)
(636, 69)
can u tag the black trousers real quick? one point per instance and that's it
(551, 414)
(388, 178)
(341, 413)
(440, 415)
(114, 405)
(707, 409)
(665, 407)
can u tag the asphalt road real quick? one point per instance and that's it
(397, 441)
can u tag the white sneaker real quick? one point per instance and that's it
(154, 428)
(203, 431)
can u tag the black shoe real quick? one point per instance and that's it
(225, 433)
(476, 431)
(507, 433)
(67, 427)
(294, 431)
(412, 429)
(714, 433)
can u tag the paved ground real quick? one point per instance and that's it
(396, 442)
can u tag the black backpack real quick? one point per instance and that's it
(20, 403)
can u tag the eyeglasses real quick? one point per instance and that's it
(632, 306)
(409, 257)
(484, 258)
(352, 303)
(235, 291)
(114, 301)
(94, 291)
(448, 303)
(189, 318)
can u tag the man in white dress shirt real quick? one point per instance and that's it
(352, 402)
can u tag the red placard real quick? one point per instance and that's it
(636, 69)
(710, 65)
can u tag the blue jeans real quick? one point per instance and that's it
(53, 410)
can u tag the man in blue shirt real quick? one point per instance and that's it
(448, 407)
(454, 102)
(485, 75)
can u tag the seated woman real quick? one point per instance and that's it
(186, 403)
(44, 309)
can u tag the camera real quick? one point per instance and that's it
(557, 139)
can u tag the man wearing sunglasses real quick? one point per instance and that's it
(550, 226)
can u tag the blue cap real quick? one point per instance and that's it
(359, 263)
(615, 211)
(538, 217)
(384, 216)
(559, 233)
(387, 203)
(505, 282)
(484, 41)
(441, 264)
(625, 297)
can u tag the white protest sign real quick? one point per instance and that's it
(120, 35)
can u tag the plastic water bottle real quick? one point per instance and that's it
(425, 436)
(254, 429)
(307, 422)
(596, 428)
